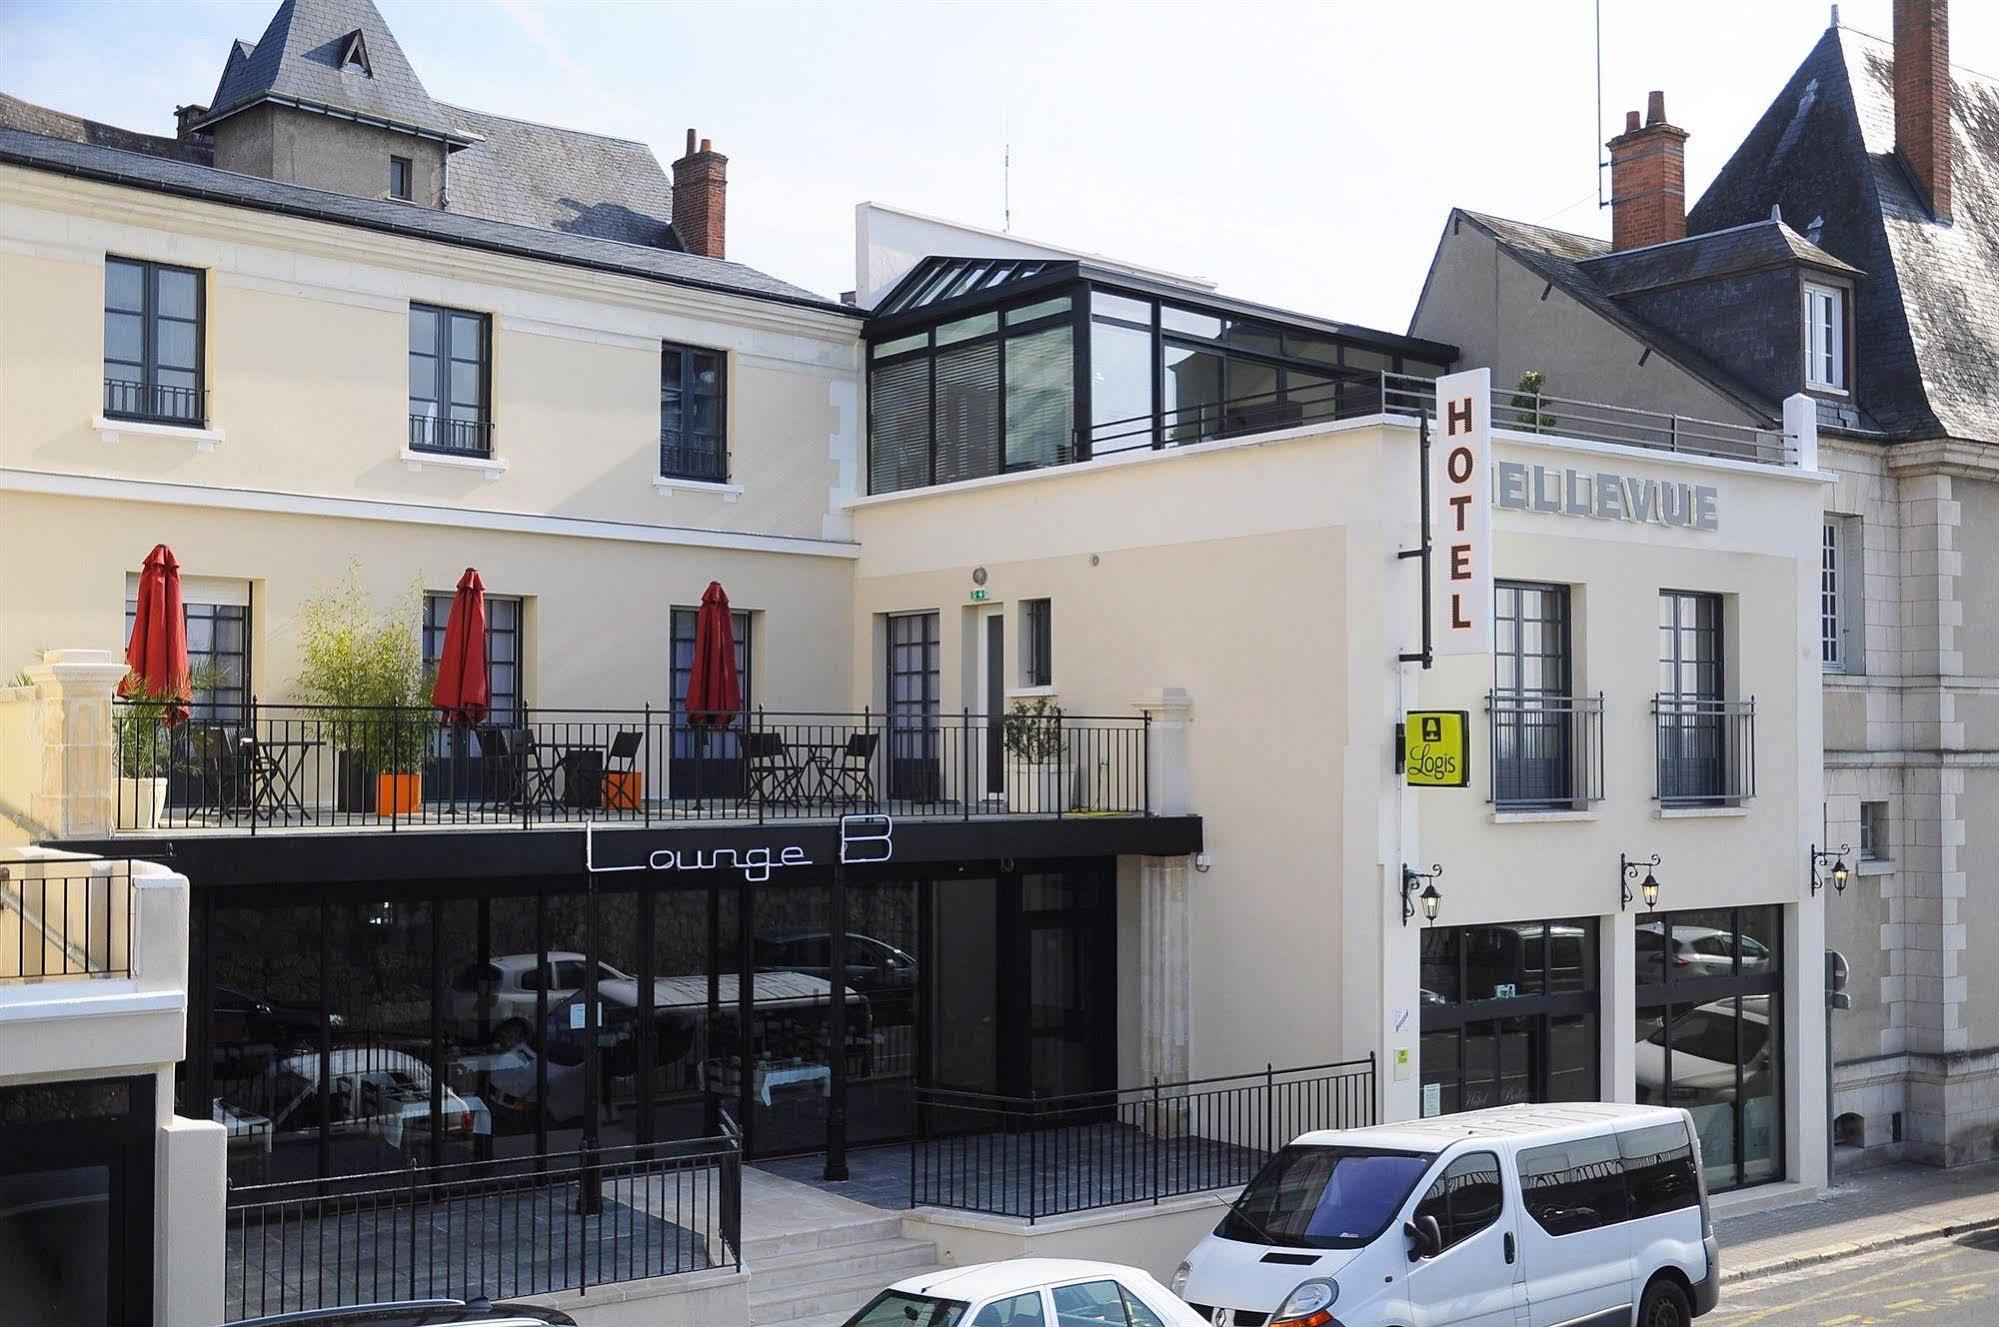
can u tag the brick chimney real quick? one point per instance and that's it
(1648, 179)
(699, 179)
(1922, 97)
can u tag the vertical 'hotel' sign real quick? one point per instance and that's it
(1461, 514)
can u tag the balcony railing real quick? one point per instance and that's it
(678, 460)
(65, 917)
(1546, 750)
(1349, 394)
(451, 437)
(155, 403)
(268, 766)
(1044, 1156)
(1706, 750)
(528, 1225)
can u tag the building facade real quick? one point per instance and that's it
(1067, 823)
(1877, 306)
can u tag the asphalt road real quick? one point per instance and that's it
(1947, 1283)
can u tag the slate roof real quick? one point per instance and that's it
(1747, 248)
(25, 115)
(189, 180)
(299, 57)
(1927, 312)
(1569, 262)
(560, 179)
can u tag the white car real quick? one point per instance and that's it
(503, 990)
(1704, 1054)
(1029, 1292)
(1698, 951)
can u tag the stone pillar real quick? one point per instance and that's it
(1166, 775)
(1165, 968)
(77, 796)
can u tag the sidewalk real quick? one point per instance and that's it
(1875, 1209)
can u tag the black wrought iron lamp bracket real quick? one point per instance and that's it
(1627, 874)
(1835, 862)
(1427, 894)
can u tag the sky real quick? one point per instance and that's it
(1302, 155)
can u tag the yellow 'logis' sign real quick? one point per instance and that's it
(1436, 748)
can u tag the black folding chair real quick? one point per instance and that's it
(850, 778)
(537, 762)
(774, 774)
(499, 767)
(618, 778)
(225, 769)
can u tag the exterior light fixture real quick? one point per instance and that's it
(1427, 895)
(1828, 858)
(1627, 872)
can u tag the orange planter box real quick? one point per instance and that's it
(398, 794)
(624, 790)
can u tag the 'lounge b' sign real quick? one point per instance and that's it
(1461, 515)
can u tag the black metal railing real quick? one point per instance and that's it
(1035, 1157)
(154, 403)
(262, 765)
(1546, 750)
(1347, 394)
(1706, 750)
(451, 437)
(528, 1225)
(65, 917)
(1597, 421)
(678, 460)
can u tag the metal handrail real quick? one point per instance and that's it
(1572, 724)
(1705, 750)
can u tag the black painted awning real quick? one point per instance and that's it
(682, 854)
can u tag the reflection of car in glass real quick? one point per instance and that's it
(419, 1313)
(504, 989)
(1697, 951)
(1704, 1054)
(371, 1090)
(1028, 1292)
(872, 965)
(680, 1011)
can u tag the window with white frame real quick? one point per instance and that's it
(1874, 832)
(1839, 584)
(1825, 337)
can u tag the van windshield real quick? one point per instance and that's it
(1324, 1197)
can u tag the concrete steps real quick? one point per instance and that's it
(818, 1257)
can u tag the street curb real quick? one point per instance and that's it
(1834, 1252)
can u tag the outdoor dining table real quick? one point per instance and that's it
(814, 778)
(278, 763)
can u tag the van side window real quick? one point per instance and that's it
(1465, 1199)
(1574, 1186)
(1659, 1169)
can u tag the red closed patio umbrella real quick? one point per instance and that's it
(461, 692)
(157, 653)
(714, 688)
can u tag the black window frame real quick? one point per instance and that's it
(217, 704)
(1673, 996)
(1539, 726)
(1448, 1200)
(461, 437)
(1694, 732)
(1456, 1014)
(120, 399)
(1037, 647)
(402, 179)
(505, 633)
(680, 458)
(914, 655)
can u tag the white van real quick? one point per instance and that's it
(1584, 1214)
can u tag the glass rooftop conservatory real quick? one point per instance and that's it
(981, 366)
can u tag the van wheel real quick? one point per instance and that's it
(1664, 1305)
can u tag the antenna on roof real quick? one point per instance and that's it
(1596, 144)
(1006, 176)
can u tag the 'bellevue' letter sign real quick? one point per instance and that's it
(1461, 514)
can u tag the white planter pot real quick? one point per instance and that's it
(142, 803)
(1038, 788)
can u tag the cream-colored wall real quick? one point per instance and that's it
(599, 609)
(1263, 579)
(1231, 571)
(307, 342)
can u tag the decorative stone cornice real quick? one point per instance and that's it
(1958, 457)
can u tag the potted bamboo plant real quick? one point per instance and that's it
(365, 671)
(1037, 780)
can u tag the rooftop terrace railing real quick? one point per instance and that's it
(258, 767)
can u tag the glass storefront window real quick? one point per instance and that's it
(1509, 1014)
(1709, 1033)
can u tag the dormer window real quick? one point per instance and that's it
(1825, 337)
(354, 54)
